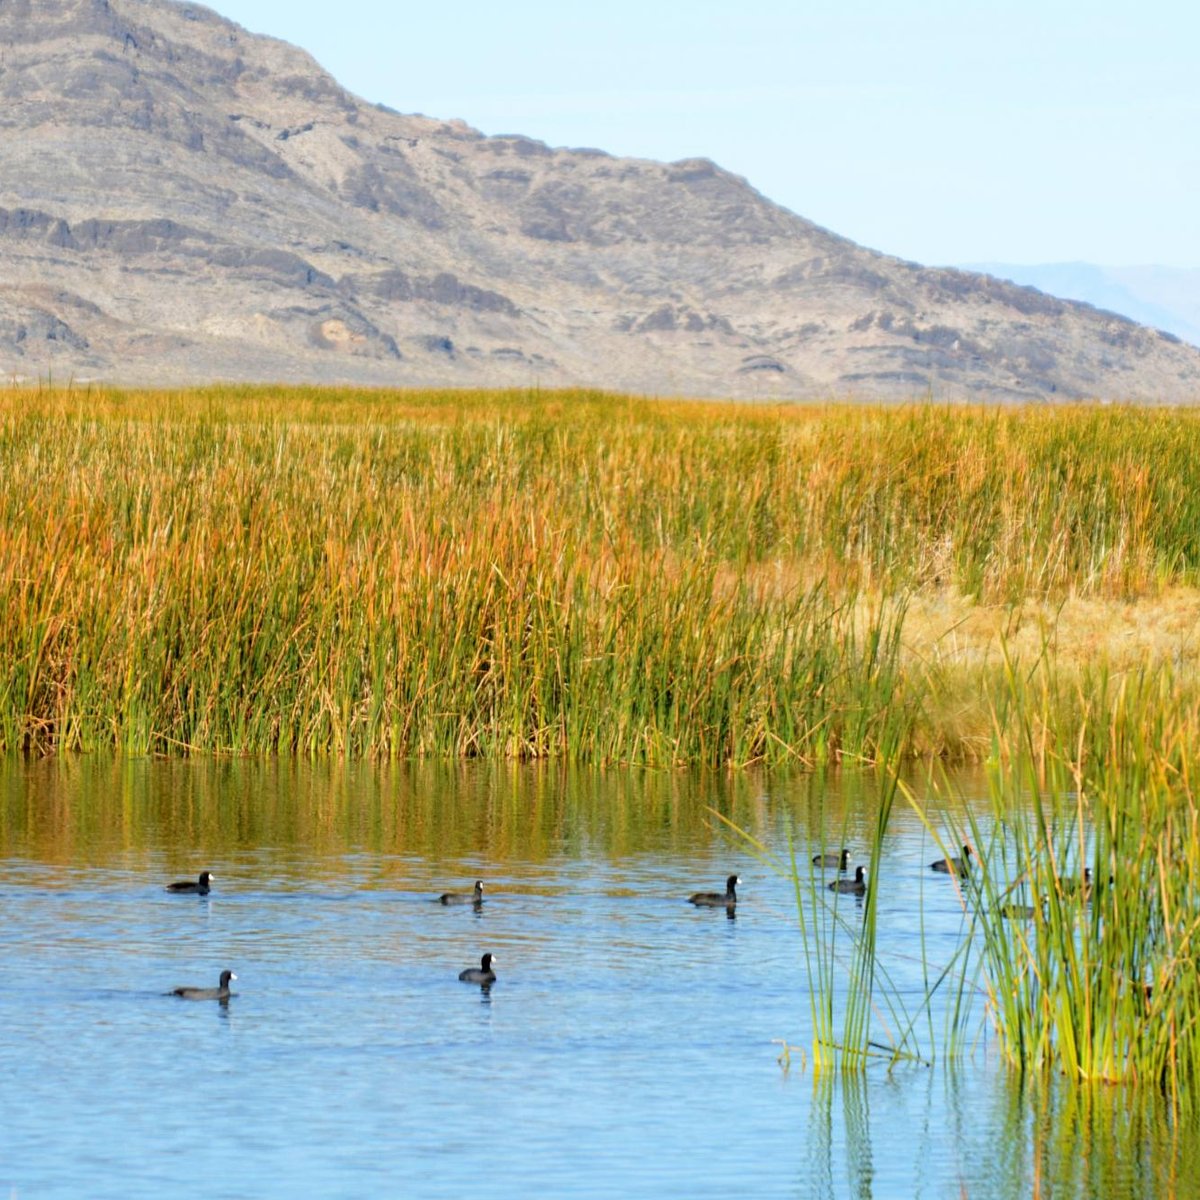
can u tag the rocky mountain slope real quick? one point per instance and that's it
(181, 201)
(1164, 297)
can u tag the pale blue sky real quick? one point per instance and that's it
(939, 130)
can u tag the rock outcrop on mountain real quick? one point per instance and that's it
(183, 201)
(1163, 297)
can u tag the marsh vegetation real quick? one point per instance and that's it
(582, 576)
(610, 580)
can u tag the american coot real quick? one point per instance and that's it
(840, 860)
(218, 993)
(191, 887)
(1077, 887)
(477, 975)
(461, 898)
(854, 887)
(725, 899)
(957, 866)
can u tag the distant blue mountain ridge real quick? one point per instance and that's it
(1166, 298)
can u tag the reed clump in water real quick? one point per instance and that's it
(1100, 981)
(1080, 939)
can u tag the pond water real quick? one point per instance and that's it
(629, 1046)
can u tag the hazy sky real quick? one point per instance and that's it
(939, 130)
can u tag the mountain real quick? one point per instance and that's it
(182, 201)
(1162, 297)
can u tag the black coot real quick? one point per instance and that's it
(475, 897)
(958, 866)
(853, 887)
(481, 974)
(725, 899)
(1077, 887)
(221, 992)
(192, 887)
(841, 860)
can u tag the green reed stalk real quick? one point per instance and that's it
(1082, 894)
(858, 1013)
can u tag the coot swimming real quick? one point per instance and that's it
(461, 898)
(725, 899)
(833, 859)
(853, 887)
(956, 865)
(484, 976)
(218, 993)
(192, 887)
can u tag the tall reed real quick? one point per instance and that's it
(183, 582)
(1099, 848)
(594, 577)
(859, 1013)
(1080, 937)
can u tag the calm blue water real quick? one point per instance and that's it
(628, 1047)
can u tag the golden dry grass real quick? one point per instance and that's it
(955, 630)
